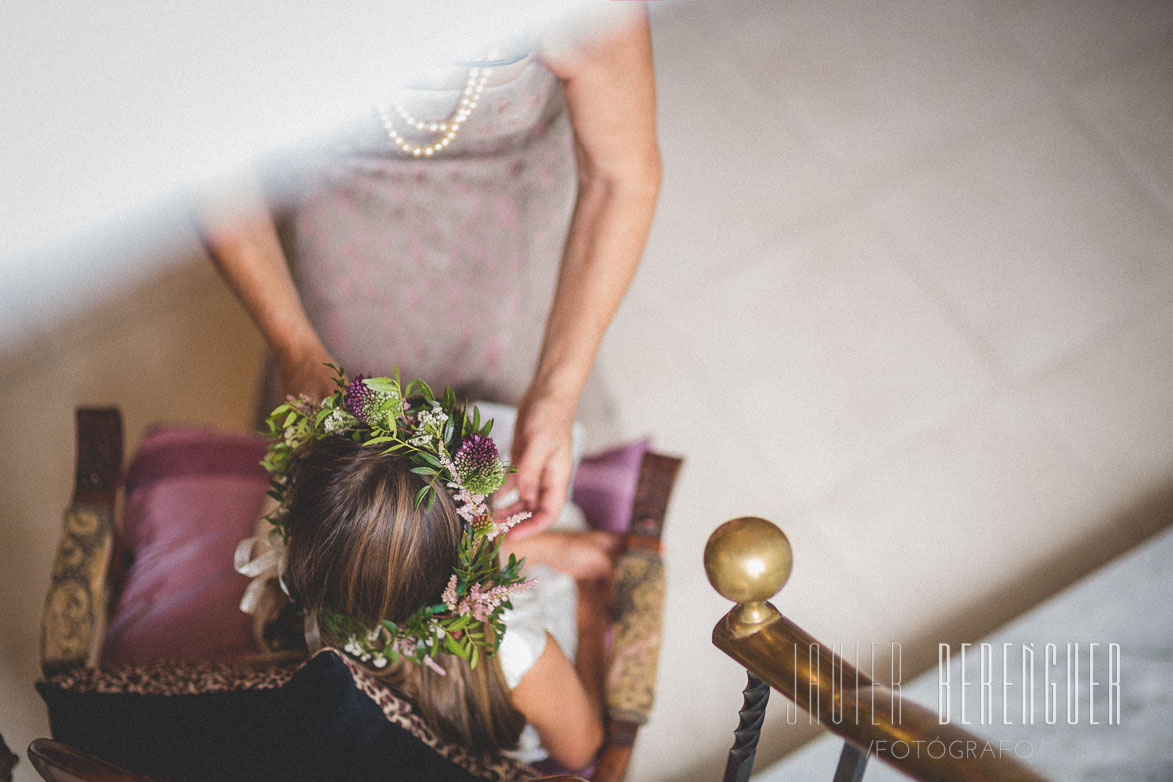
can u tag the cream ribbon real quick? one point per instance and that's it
(262, 559)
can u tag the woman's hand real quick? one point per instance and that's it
(542, 453)
(305, 372)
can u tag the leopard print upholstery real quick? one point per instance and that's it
(165, 677)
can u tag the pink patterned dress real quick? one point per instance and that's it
(444, 266)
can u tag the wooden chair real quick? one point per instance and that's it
(90, 563)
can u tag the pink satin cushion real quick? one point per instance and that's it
(191, 496)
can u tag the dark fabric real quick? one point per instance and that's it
(7, 761)
(319, 726)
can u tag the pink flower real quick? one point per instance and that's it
(501, 527)
(449, 596)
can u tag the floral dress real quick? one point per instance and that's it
(442, 265)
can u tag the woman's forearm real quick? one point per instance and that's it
(241, 239)
(609, 229)
(249, 257)
(611, 96)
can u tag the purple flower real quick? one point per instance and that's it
(373, 408)
(478, 465)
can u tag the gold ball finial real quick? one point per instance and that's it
(748, 560)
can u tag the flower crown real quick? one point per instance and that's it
(450, 451)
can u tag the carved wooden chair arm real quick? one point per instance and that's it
(75, 609)
(57, 762)
(636, 627)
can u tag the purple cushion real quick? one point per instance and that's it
(604, 486)
(191, 496)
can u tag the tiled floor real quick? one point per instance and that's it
(909, 294)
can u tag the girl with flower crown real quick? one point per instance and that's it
(393, 556)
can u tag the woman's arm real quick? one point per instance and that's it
(553, 700)
(610, 91)
(242, 240)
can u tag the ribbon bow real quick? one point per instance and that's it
(262, 559)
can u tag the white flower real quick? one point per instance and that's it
(432, 420)
(334, 422)
(380, 661)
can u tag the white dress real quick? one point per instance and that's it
(547, 608)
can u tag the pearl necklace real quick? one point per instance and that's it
(449, 127)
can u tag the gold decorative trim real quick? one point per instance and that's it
(636, 636)
(74, 614)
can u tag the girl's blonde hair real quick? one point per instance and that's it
(358, 546)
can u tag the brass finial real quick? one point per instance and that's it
(748, 560)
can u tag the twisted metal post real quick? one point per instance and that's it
(749, 728)
(853, 761)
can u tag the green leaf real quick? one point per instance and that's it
(425, 389)
(419, 497)
(383, 384)
(423, 470)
